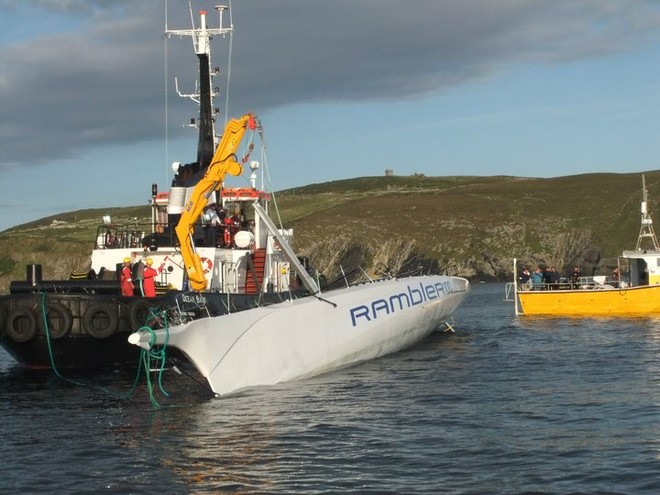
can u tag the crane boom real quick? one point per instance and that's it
(224, 162)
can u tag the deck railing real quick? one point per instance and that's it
(586, 283)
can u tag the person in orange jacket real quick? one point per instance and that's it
(126, 278)
(149, 274)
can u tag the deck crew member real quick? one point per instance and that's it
(126, 278)
(149, 275)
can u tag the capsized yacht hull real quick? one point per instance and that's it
(310, 336)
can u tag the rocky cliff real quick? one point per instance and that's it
(472, 226)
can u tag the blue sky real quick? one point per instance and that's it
(344, 89)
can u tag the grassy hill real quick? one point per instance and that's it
(473, 225)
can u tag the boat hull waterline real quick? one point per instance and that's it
(311, 336)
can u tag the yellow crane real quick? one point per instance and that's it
(224, 162)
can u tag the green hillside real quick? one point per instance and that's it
(471, 225)
(477, 224)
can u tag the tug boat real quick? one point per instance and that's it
(633, 289)
(228, 260)
(232, 297)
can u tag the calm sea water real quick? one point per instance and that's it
(504, 405)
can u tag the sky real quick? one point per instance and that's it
(89, 117)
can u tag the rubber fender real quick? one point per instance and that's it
(138, 313)
(3, 318)
(21, 325)
(59, 320)
(101, 320)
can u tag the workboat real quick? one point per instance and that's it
(632, 289)
(214, 282)
(227, 253)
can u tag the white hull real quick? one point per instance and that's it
(310, 336)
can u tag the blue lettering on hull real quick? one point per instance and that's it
(398, 302)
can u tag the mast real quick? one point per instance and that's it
(201, 38)
(646, 230)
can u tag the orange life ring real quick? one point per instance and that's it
(207, 265)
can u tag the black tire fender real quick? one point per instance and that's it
(21, 325)
(138, 312)
(3, 318)
(59, 319)
(101, 320)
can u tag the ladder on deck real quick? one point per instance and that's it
(255, 275)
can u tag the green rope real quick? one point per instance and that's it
(144, 361)
(157, 355)
(44, 314)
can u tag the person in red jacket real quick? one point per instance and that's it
(149, 275)
(126, 278)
